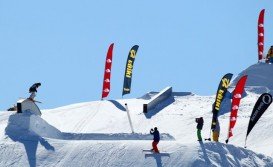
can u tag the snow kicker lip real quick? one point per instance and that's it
(113, 136)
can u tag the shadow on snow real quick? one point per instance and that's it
(28, 139)
(30, 130)
(165, 103)
(118, 105)
(157, 157)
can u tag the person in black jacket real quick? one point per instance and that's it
(33, 90)
(200, 123)
(156, 140)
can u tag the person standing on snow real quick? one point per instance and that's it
(156, 135)
(33, 90)
(216, 132)
(199, 127)
(269, 56)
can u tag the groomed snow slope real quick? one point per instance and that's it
(98, 134)
(259, 75)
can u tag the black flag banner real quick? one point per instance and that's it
(222, 89)
(261, 105)
(129, 70)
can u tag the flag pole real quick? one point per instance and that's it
(129, 118)
(228, 131)
(245, 141)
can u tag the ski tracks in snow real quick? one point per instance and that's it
(89, 116)
(67, 157)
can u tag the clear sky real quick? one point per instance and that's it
(188, 45)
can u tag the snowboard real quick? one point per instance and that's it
(152, 152)
(35, 101)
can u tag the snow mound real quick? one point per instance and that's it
(24, 124)
(27, 124)
(259, 77)
(98, 133)
(150, 95)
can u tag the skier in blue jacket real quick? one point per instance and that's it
(156, 140)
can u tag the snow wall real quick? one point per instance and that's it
(21, 124)
(27, 105)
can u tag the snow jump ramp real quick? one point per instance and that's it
(26, 105)
(157, 99)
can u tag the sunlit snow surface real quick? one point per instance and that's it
(98, 133)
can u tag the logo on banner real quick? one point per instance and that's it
(133, 54)
(237, 96)
(108, 61)
(106, 90)
(235, 107)
(225, 84)
(129, 69)
(233, 119)
(267, 99)
(126, 89)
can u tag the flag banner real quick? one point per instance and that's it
(107, 72)
(129, 70)
(260, 107)
(261, 35)
(222, 89)
(236, 98)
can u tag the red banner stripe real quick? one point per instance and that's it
(236, 98)
(107, 72)
(261, 35)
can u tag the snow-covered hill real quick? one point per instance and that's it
(259, 75)
(98, 133)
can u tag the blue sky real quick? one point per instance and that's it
(188, 45)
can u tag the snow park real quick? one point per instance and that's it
(136, 84)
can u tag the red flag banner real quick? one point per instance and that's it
(107, 72)
(261, 35)
(236, 98)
